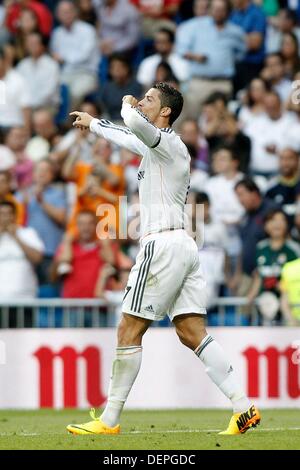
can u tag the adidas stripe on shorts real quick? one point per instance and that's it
(166, 279)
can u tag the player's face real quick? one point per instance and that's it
(150, 105)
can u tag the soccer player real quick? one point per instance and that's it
(166, 278)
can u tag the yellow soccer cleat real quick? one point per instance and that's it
(93, 427)
(241, 422)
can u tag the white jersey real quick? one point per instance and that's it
(164, 171)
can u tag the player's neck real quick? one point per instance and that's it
(162, 122)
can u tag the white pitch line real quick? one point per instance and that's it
(161, 431)
(175, 431)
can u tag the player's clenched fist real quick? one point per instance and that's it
(83, 120)
(130, 100)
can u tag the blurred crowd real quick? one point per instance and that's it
(237, 64)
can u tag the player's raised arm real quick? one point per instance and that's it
(118, 135)
(138, 123)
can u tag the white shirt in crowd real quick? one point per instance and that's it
(148, 66)
(17, 275)
(212, 251)
(293, 136)
(42, 77)
(225, 206)
(265, 132)
(246, 117)
(226, 209)
(284, 89)
(198, 179)
(16, 97)
(77, 46)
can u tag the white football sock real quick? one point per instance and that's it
(125, 369)
(219, 369)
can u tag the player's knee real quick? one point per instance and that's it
(130, 331)
(191, 339)
(185, 338)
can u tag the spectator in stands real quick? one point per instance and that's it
(98, 185)
(253, 102)
(16, 140)
(41, 73)
(188, 9)
(269, 134)
(77, 141)
(211, 44)
(274, 74)
(285, 188)
(6, 195)
(87, 12)
(295, 230)
(290, 298)
(7, 158)
(15, 110)
(221, 128)
(192, 135)
(271, 255)
(163, 43)
(163, 73)
(4, 34)
(45, 135)
(121, 83)
(251, 232)
(46, 211)
(156, 15)
(290, 53)
(225, 208)
(28, 24)
(251, 18)
(220, 188)
(198, 176)
(74, 46)
(41, 11)
(212, 240)
(83, 254)
(20, 250)
(120, 26)
(284, 23)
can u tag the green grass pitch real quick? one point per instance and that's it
(148, 430)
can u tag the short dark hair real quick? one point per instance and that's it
(171, 98)
(168, 32)
(10, 204)
(202, 198)
(120, 57)
(44, 40)
(248, 184)
(290, 14)
(272, 212)
(216, 96)
(277, 54)
(230, 149)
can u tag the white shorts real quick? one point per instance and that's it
(166, 278)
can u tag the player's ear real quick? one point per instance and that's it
(165, 111)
